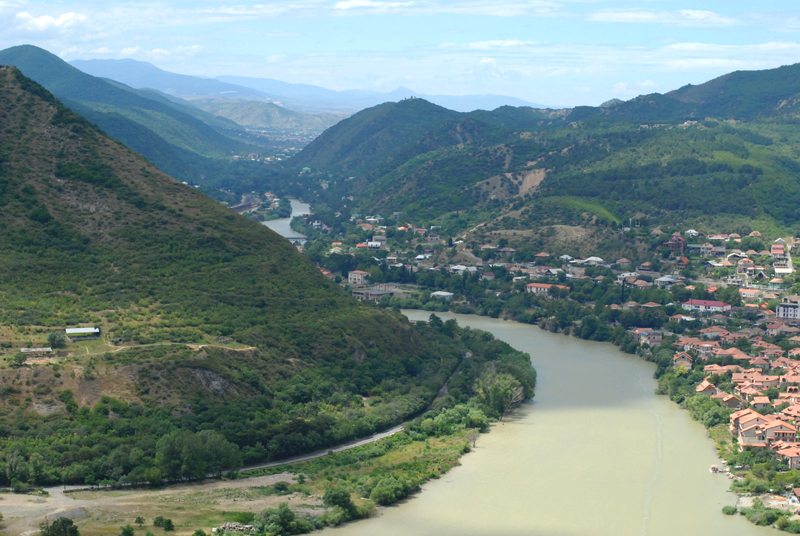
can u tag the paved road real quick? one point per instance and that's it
(340, 448)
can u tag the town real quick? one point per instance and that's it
(724, 308)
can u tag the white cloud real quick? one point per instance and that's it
(46, 22)
(483, 45)
(130, 51)
(647, 84)
(621, 89)
(684, 17)
(160, 52)
(101, 50)
(189, 50)
(355, 4)
(275, 58)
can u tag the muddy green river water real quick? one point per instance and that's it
(596, 453)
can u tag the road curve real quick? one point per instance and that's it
(347, 446)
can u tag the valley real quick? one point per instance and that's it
(225, 372)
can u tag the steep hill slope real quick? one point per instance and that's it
(743, 94)
(93, 234)
(373, 136)
(159, 131)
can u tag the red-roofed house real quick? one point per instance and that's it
(706, 387)
(682, 359)
(760, 402)
(542, 289)
(792, 457)
(713, 332)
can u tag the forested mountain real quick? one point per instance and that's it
(517, 169)
(373, 137)
(185, 145)
(93, 234)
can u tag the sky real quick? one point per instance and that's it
(550, 52)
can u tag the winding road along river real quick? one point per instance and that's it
(596, 453)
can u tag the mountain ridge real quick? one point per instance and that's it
(516, 169)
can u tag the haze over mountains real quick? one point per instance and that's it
(302, 97)
(625, 159)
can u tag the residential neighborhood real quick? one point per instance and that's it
(723, 307)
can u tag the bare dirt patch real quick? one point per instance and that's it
(531, 180)
(190, 506)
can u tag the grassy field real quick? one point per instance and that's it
(723, 440)
(585, 205)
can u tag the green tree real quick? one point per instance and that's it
(56, 339)
(338, 497)
(127, 530)
(60, 527)
(18, 360)
(139, 520)
(158, 521)
(168, 525)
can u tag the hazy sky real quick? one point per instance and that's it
(556, 52)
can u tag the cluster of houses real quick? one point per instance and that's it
(752, 376)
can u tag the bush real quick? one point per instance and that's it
(60, 527)
(729, 510)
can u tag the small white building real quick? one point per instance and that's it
(82, 334)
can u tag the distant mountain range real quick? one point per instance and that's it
(302, 97)
(177, 137)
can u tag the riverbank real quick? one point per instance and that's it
(595, 424)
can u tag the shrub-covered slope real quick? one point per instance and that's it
(524, 168)
(93, 234)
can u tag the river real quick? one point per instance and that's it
(595, 453)
(282, 226)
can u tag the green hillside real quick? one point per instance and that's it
(183, 144)
(94, 235)
(372, 137)
(521, 169)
